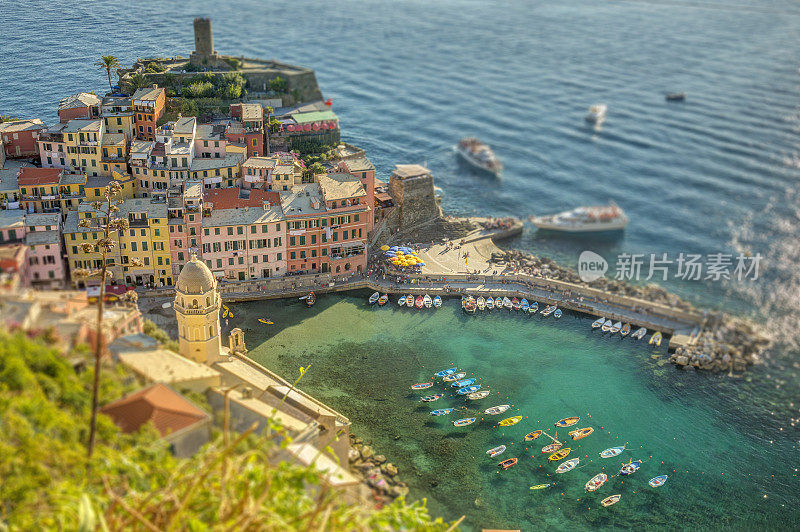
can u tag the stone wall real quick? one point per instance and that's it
(414, 199)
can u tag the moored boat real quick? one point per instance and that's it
(567, 421)
(581, 433)
(626, 329)
(427, 301)
(552, 447)
(616, 327)
(608, 501)
(401, 301)
(468, 389)
(675, 96)
(639, 334)
(655, 482)
(445, 372)
(441, 411)
(557, 313)
(533, 435)
(421, 385)
(656, 339)
(612, 451)
(549, 309)
(462, 383)
(432, 398)
(524, 305)
(496, 451)
(479, 155)
(383, 299)
(534, 308)
(481, 303)
(515, 303)
(489, 303)
(607, 325)
(542, 486)
(478, 395)
(567, 465)
(373, 298)
(437, 302)
(470, 305)
(507, 304)
(597, 113)
(596, 481)
(559, 454)
(498, 302)
(410, 301)
(598, 323)
(505, 464)
(509, 421)
(630, 468)
(464, 421)
(418, 302)
(495, 410)
(311, 298)
(454, 377)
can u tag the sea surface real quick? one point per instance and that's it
(717, 173)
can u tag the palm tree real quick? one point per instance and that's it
(107, 63)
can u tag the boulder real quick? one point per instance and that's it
(366, 452)
(682, 360)
(379, 459)
(390, 469)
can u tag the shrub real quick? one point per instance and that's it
(198, 89)
(278, 84)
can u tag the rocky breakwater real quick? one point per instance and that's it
(378, 473)
(723, 342)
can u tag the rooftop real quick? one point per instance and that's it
(10, 218)
(359, 164)
(39, 176)
(208, 132)
(82, 99)
(34, 219)
(141, 147)
(165, 408)
(114, 139)
(232, 198)
(184, 125)
(260, 162)
(341, 186)
(405, 171)
(71, 178)
(14, 126)
(147, 94)
(83, 124)
(303, 200)
(252, 111)
(314, 116)
(204, 163)
(39, 238)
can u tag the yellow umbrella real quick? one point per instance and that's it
(384, 248)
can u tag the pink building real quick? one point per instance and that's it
(52, 150)
(20, 137)
(210, 141)
(45, 257)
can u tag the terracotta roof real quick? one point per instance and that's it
(39, 176)
(168, 410)
(231, 198)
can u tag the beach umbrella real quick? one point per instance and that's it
(384, 248)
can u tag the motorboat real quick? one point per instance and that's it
(656, 338)
(427, 301)
(592, 219)
(597, 113)
(639, 334)
(630, 468)
(567, 465)
(596, 482)
(496, 451)
(626, 329)
(616, 327)
(479, 155)
(611, 452)
(489, 303)
(437, 302)
(481, 303)
(495, 410)
(598, 323)
(311, 298)
(374, 298)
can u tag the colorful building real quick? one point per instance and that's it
(45, 257)
(148, 107)
(117, 114)
(39, 189)
(81, 105)
(52, 149)
(20, 137)
(83, 139)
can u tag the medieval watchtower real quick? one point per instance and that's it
(204, 53)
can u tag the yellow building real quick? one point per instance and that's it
(77, 258)
(95, 187)
(71, 190)
(197, 305)
(83, 140)
(117, 114)
(146, 243)
(114, 154)
(217, 173)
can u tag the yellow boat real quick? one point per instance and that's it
(581, 433)
(567, 421)
(510, 421)
(656, 338)
(558, 455)
(533, 435)
(265, 322)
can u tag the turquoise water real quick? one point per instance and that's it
(729, 462)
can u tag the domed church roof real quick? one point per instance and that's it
(195, 278)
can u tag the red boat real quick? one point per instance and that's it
(505, 464)
(418, 302)
(515, 303)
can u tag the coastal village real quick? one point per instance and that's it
(260, 201)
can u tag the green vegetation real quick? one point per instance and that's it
(134, 483)
(107, 63)
(137, 81)
(278, 84)
(155, 68)
(235, 64)
(229, 86)
(159, 334)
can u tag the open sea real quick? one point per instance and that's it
(717, 173)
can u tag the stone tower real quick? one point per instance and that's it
(411, 188)
(204, 53)
(197, 305)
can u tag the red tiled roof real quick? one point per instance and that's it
(158, 150)
(29, 175)
(228, 198)
(168, 410)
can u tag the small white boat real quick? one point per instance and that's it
(534, 308)
(607, 326)
(474, 396)
(374, 298)
(479, 155)
(401, 301)
(616, 327)
(557, 313)
(481, 302)
(489, 303)
(500, 449)
(596, 481)
(598, 323)
(495, 410)
(454, 377)
(611, 452)
(608, 501)
(437, 302)
(498, 302)
(507, 303)
(427, 301)
(549, 309)
(639, 334)
(568, 465)
(410, 301)
(597, 113)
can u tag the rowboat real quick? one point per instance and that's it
(656, 338)
(581, 433)
(557, 313)
(431, 398)
(401, 301)
(631, 467)
(311, 298)
(468, 389)
(596, 481)
(499, 409)
(658, 481)
(559, 454)
(608, 501)
(418, 302)
(421, 385)
(441, 411)
(533, 435)
(410, 301)
(266, 321)
(427, 301)
(567, 465)
(373, 298)
(507, 303)
(549, 309)
(505, 464)
(500, 449)
(481, 303)
(489, 303)
(515, 303)
(567, 421)
(383, 299)
(445, 372)
(462, 383)
(553, 447)
(464, 422)
(454, 377)
(509, 421)
(639, 334)
(534, 308)
(607, 326)
(478, 395)
(598, 323)
(542, 486)
(626, 329)
(470, 305)
(498, 302)
(437, 302)
(524, 305)
(612, 451)
(616, 327)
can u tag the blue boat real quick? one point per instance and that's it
(524, 305)
(469, 389)
(534, 308)
(437, 302)
(462, 383)
(441, 411)
(557, 313)
(445, 372)
(630, 468)
(658, 481)
(612, 451)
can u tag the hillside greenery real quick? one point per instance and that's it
(133, 482)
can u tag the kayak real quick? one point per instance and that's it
(441, 411)
(552, 447)
(478, 395)
(464, 422)
(505, 464)
(542, 486)
(581, 433)
(608, 501)
(500, 449)
(567, 421)
(658, 481)
(468, 389)
(462, 383)
(611, 451)
(509, 421)
(596, 481)
(454, 377)
(499, 409)
(533, 435)
(558, 455)
(631, 467)
(445, 372)
(568, 465)
(431, 398)
(421, 385)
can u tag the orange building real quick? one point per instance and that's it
(148, 107)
